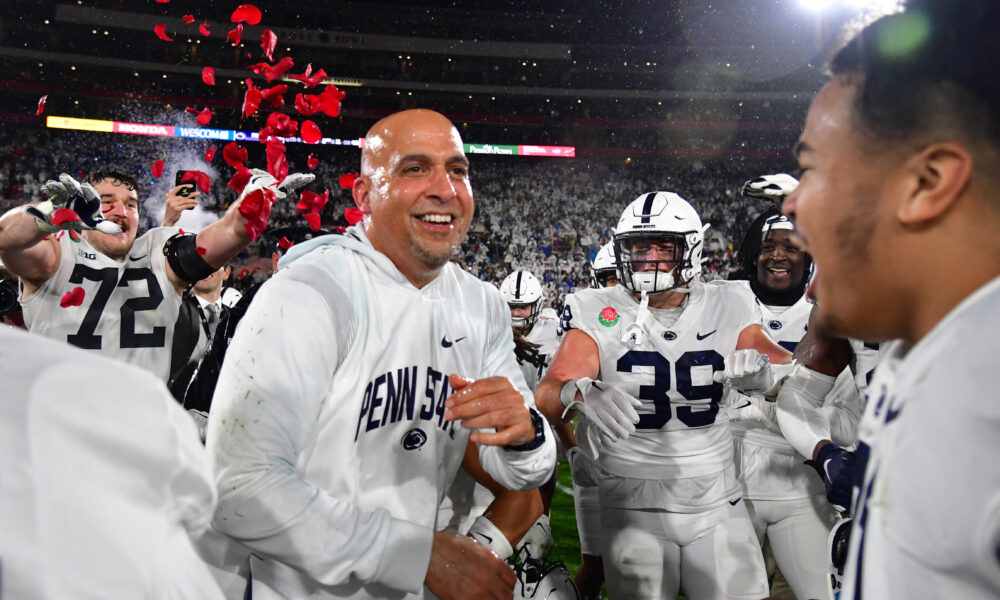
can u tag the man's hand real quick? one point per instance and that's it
(71, 205)
(490, 403)
(178, 203)
(836, 467)
(260, 179)
(747, 370)
(463, 568)
(585, 471)
(611, 410)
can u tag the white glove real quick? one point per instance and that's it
(70, 194)
(747, 370)
(260, 179)
(585, 472)
(612, 411)
(742, 407)
(772, 187)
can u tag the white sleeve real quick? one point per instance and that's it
(273, 384)
(842, 409)
(515, 468)
(800, 415)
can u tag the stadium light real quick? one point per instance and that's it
(816, 5)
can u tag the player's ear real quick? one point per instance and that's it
(936, 178)
(361, 193)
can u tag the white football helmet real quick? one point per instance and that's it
(537, 580)
(657, 218)
(521, 288)
(604, 266)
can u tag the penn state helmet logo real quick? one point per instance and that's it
(774, 324)
(414, 439)
(669, 335)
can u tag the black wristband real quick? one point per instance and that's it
(537, 420)
(182, 255)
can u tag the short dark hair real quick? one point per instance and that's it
(115, 176)
(930, 69)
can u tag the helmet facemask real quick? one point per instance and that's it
(654, 262)
(525, 322)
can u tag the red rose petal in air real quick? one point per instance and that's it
(278, 124)
(209, 153)
(313, 219)
(204, 116)
(163, 1)
(284, 243)
(277, 162)
(201, 251)
(271, 73)
(240, 179)
(203, 28)
(234, 155)
(256, 208)
(275, 95)
(268, 40)
(353, 214)
(235, 34)
(180, 231)
(188, 19)
(157, 168)
(312, 162)
(208, 75)
(346, 180)
(310, 132)
(41, 104)
(307, 80)
(161, 32)
(246, 13)
(312, 202)
(308, 104)
(73, 297)
(331, 98)
(199, 178)
(251, 100)
(61, 215)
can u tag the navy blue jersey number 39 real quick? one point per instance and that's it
(657, 392)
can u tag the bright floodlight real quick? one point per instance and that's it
(816, 5)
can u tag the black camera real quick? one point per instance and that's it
(8, 296)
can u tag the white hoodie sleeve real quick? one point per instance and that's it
(277, 375)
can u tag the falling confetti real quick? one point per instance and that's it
(41, 105)
(208, 75)
(161, 32)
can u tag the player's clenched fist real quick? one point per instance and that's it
(463, 568)
(490, 403)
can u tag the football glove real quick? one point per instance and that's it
(585, 471)
(69, 194)
(612, 411)
(747, 371)
(836, 467)
(770, 187)
(260, 179)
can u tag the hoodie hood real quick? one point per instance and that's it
(354, 239)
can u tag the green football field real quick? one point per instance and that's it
(563, 520)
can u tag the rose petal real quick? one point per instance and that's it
(308, 104)
(191, 109)
(157, 168)
(208, 75)
(284, 243)
(313, 219)
(271, 73)
(278, 124)
(199, 178)
(310, 81)
(188, 19)
(204, 116)
(240, 179)
(310, 132)
(235, 34)
(256, 208)
(41, 104)
(331, 98)
(251, 100)
(312, 162)
(234, 155)
(201, 251)
(163, 1)
(61, 215)
(73, 297)
(353, 214)
(312, 202)
(275, 95)
(277, 163)
(161, 32)
(346, 180)
(268, 40)
(180, 231)
(209, 153)
(203, 29)
(246, 13)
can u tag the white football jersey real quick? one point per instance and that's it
(546, 334)
(129, 307)
(327, 426)
(927, 514)
(681, 434)
(105, 483)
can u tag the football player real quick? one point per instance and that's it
(647, 362)
(898, 204)
(105, 289)
(604, 268)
